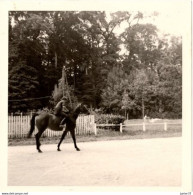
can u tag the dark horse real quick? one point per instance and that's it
(47, 120)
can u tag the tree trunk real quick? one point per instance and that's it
(56, 60)
(143, 107)
(128, 115)
(74, 76)
(86, 71)
(63, 81)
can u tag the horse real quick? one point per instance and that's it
(51, 121)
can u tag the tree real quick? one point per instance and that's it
(141, 88)
(27, 46)
(117, 82)
(127, 104)
(22, 85)
(140, 41)
(169, 74)
(63, 90)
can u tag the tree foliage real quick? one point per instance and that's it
(131, 72)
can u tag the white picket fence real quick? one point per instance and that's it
(18, 126)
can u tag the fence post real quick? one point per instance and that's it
(92, 120)
(21, 125)
(144, 127)
(95, 129)
(165, 126)
(121, 127)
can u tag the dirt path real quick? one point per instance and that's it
(147, 162)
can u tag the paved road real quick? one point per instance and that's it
(142, 162)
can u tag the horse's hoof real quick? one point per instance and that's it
(39, 151)
(77, 149)
(59, 149)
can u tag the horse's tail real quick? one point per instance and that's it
(32, 125)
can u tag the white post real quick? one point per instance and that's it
(165, 126)
(121, 127)
(21, 125)
(95, 129)
(144, 127)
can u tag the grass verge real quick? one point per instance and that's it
(103, 135)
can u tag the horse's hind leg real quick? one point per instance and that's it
(38, 135)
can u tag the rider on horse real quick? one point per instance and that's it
(61, 109)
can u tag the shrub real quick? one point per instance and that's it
(108, 119)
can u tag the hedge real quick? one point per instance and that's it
(108, 119)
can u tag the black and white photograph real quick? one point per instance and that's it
(95, 97)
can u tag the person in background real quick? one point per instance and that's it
(61, 110)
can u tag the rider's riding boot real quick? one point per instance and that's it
(61, 124)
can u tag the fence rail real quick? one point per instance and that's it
(140, 126)
(18, 126)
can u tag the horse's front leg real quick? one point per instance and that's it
(74, 139)
(61, 139)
